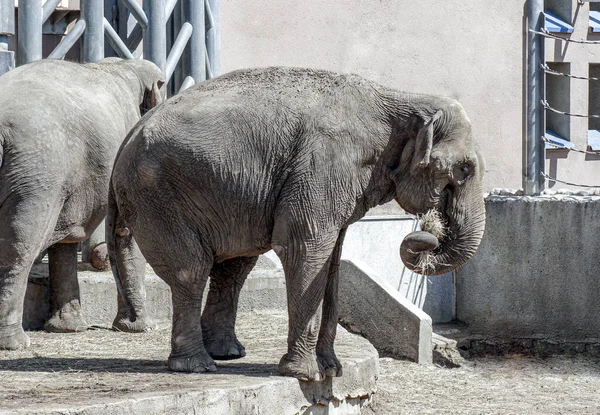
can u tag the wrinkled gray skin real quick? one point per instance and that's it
(285, 159)
(61, 125)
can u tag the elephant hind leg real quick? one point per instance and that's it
(218, 317)
(65, 304)
(178, 256)
(25, 226)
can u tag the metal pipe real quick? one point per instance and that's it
(137, 12)
(536, 157)
(29, 39)
(170, 7)
(48, 8)
(187, 82)
(68, 41)
(92, 11)
(116, 42)
(7, 20)
(155, 35)
(136, 36)
(196, 58)
(213, 38)
(177, 49)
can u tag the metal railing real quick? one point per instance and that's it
(193, 53)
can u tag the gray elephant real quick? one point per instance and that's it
(283, 159)
(61, 125)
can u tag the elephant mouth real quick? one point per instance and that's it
(420, 250)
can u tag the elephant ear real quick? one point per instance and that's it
(152, 97)
(424, 143)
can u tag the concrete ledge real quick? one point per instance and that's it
(371, 307)
(263, 290)
(106, 372)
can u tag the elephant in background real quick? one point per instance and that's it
(61, 125)
(282, 158)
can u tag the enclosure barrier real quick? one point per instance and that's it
(194, 52)
(536, 104)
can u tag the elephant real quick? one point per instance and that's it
(61, 125)
(284, 159)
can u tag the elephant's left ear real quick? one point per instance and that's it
(424, 143)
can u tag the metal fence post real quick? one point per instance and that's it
(92, 12)
(213, 38)
(29, 46)
(195, 59)
(536, 157)
(155, 34)
(7, 28)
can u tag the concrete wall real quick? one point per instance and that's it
(536, 271)
(375, 241)
(472, 51)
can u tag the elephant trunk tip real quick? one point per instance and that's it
(416, 252)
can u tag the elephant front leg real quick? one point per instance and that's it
(65, 304)
(306, 268)
(218, 317)
(326, 357)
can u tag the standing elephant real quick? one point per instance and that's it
(286, 159)
(61, 125)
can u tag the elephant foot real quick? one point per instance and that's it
(14, 340)
(197, 363)
(300, 367)
(329, 364)
(66, 322)
(99, 257)
(141, 324)
(225, 347)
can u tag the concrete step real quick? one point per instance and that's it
(264, 290)
(106, 372)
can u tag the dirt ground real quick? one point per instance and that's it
(102, 364)
(513, 384)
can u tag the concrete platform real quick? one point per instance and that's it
(106, 372)
(264, 290)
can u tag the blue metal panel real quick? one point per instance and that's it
(594, 140)
(557, 140)
(556, 25)
(595, 21)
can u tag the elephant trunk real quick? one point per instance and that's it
(464, 217)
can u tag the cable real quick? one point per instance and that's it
(547, 141)
(570, 184)
(553, 72)
(548, 107)
(545, 33)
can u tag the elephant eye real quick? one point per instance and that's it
(461, 172)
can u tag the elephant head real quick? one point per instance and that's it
(144, 73)
(440, 169)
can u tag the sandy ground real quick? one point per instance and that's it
(515, 384)
(102, 364)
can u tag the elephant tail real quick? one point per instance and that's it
(112, 218)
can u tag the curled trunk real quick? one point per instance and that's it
(464, 216)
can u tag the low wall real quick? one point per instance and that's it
(536, 274)
(375, 240)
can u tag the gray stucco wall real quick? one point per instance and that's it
(536, 273)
